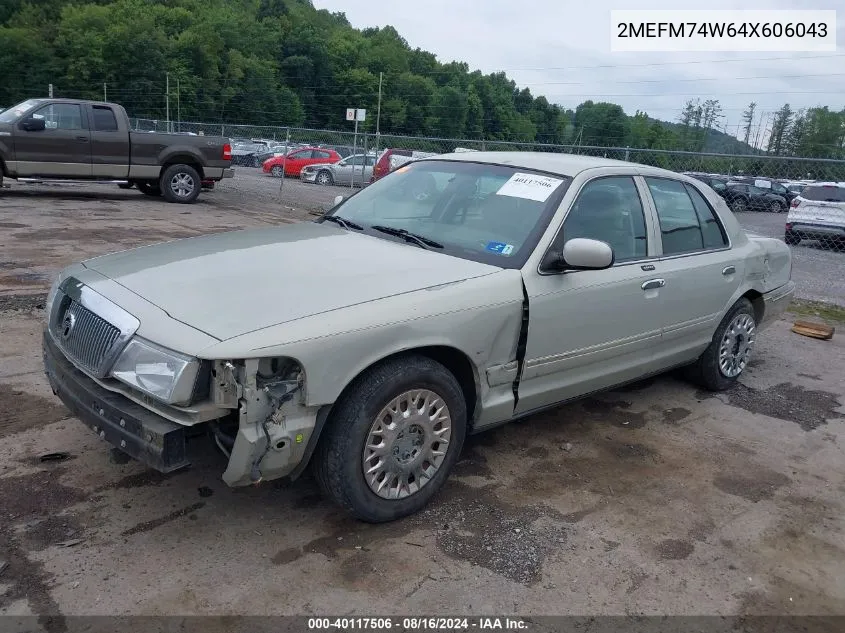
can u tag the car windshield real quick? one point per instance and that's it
(488, 213)
(13, 114)
(824, 193)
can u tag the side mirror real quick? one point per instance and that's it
(34, 125)
(583, 254)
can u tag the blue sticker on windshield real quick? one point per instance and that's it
(499, 247)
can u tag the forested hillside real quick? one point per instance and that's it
(282, 62)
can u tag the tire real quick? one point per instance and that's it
(738, 205)
(180, 183)
(149, 188)
(707, 371)
(775, 207)
(277, 171)
(324, 178)
(340, 458)
(256, 162)
(792, 239)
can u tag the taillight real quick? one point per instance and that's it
(794, 203)
(227, 151)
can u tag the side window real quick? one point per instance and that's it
(680, 228)
(301, 155)
(718, 185)
(322, 155)
(711, 229)
(610, 210)
(60, 116)
(104, 119)
(355, 160)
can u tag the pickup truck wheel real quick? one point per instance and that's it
(392, 439)
(727, 356)
(180, 183)
(149, 188)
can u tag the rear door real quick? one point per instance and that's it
(296, 161)
(61, 149)
(701, 270)
(109, 143)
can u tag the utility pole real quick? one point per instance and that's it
(105, 92)
(378, 113)
(178, 106)
(167, 99)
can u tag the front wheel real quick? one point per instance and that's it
(392, 439)
(775, 207)
(180, 183)
(738, 205)
(324, 178)
(728, 354)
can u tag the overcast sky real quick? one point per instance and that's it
(561, 49)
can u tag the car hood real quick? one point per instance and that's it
(229, 284)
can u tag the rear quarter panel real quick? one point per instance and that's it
(156, 149)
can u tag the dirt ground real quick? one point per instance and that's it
(656, 499)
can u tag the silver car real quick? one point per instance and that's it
(455, 294)
(355, 170)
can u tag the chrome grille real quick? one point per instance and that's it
(84, 337)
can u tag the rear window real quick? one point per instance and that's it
(824, 193)
(104, 119)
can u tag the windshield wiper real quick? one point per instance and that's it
(347, 224)
(419, 240)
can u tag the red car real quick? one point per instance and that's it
(293, 163)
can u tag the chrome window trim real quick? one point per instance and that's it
(72, 288)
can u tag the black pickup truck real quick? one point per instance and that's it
(71, 140)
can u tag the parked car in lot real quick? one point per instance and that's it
(297, 159)
(356, 169)
(742, 196)
(454, 295)
(391, 159)
(818, 213)
(70, 140)
(245, 154)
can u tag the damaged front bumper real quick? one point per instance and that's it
(275, 435)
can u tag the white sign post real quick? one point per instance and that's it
(356, 114)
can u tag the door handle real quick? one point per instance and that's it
(651, 284)
(728, 270)
(84, 139)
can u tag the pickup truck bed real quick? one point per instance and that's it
(66, 139)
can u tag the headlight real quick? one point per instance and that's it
(163, 374)
(54, 289)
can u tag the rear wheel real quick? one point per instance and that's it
(324, 178)
(728, 354)
(180, 183)
(149, 188)
(277, 171)
(392, 439)
(775, 206)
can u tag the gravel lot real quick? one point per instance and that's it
(657, 499)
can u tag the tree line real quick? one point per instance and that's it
(285, 63)
(812, 132)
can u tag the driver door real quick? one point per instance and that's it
(61, 149)
(592, 329)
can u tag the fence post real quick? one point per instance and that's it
(627, 153)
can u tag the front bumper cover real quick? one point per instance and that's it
(145, 436)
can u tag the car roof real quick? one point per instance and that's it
(562, 164)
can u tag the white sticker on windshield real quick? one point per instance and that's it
(529, 186)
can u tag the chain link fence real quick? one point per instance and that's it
(807, 193)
